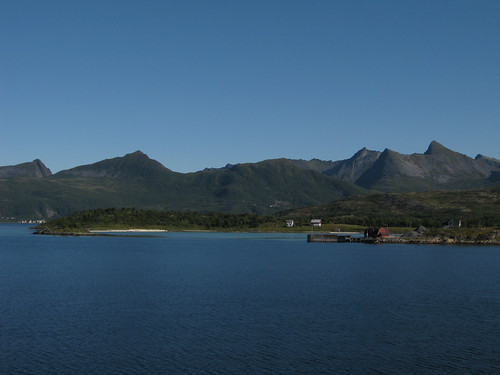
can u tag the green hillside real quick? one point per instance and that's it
(473, 207)
(137, 181)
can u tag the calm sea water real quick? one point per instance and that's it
(207, 303)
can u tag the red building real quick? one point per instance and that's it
(377, 232)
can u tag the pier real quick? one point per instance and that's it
(333, 237)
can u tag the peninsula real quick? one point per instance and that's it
(107, 221)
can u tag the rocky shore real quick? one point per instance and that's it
(49, 232)
(446, 237)
(437, 240)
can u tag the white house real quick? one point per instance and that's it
(316, 222)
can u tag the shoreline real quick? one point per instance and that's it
(434, 240)
(128, 230)
(470, 237)
(431, 240)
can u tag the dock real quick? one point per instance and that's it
(333, 237)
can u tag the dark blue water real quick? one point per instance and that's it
(244, 304)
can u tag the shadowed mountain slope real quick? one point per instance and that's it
(438, 167)
(279, 183)
(348, 169)
(32, 169)
(351, 169)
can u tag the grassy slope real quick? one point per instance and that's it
(473, 207)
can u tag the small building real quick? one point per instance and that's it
(377, 232)
(316, 222)
(289, 223)
(452, 224)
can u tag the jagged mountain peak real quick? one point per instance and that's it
(481, 157)
(491, 164)
(137, 153)
(436, 148)
(363, 153)
(34, 168)
(360, 153)
(350, 169)
(389, 154)
(40, 169)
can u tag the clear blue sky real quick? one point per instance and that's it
(198, 84)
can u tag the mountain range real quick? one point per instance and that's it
(437, 168)
(30, 190)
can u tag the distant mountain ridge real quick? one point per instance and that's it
(438, 167)
(30, 190)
